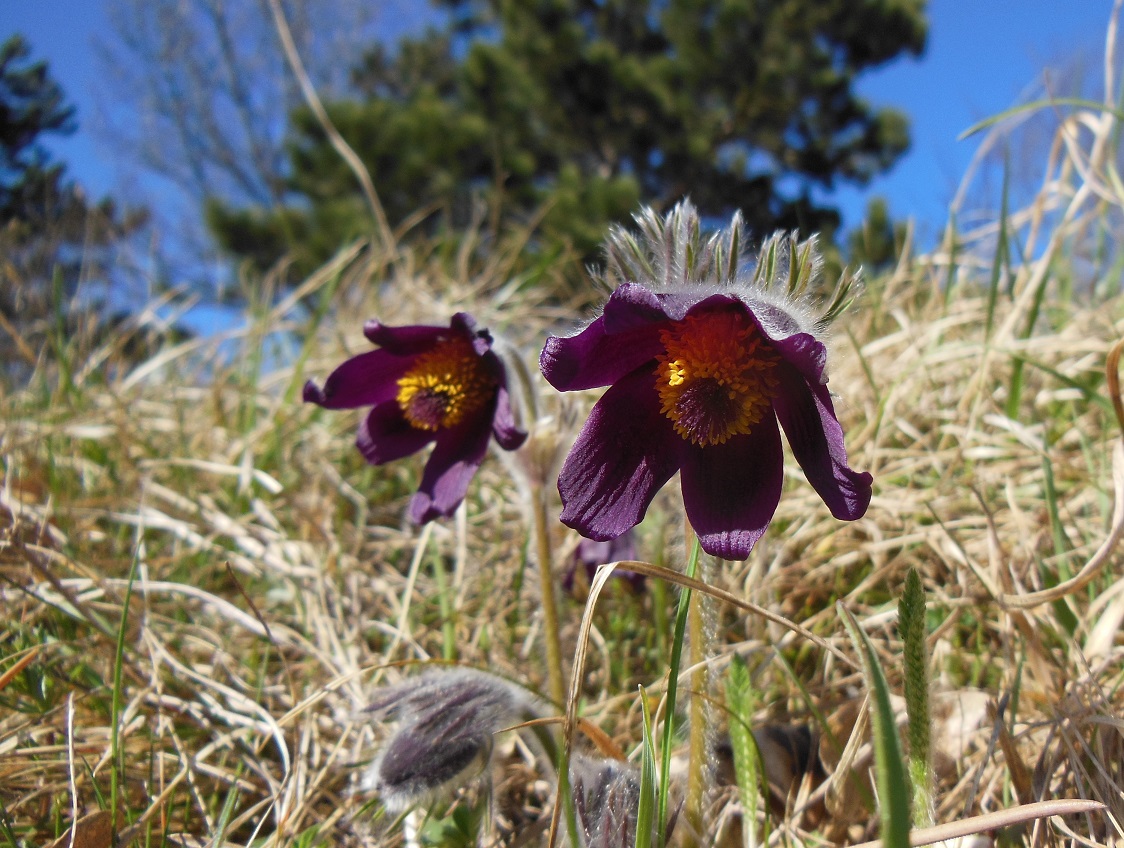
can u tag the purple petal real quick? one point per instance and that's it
(409, 340)
(616, 343)
(386, 435)
(623, 547)
(816, 439)
(730, 491)
(632, 305)
(365, 380)
(625, 452)
(593, 553)
(463, 322)
(508, 436)
(622, 339)
(775, 322)
(806, 355)
(589, 554)
(679, 306)
(481, 339)
(451, 467)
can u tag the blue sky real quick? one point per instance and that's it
(983, 56)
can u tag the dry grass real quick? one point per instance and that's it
(274, 579)
(202, 581)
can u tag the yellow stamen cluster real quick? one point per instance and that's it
(715, 379)
(445, 385)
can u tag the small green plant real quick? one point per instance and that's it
(651, 796)
(741, 700)
(911, 621)
(889, 763)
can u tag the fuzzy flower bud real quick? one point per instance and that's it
(447, 720)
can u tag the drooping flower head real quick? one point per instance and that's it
(702, 361)
(427, 384)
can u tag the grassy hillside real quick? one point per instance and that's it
(203, 583)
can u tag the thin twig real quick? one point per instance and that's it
(544, 559)
(1093, 567)
(349, 156)
(662, 573)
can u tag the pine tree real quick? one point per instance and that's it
(51, 235)
(584, 108)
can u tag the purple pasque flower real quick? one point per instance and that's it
(701, 363)
(589, 554)
(427, 384)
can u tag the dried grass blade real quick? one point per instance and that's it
(20, 664)
(662, 573)
(995, 821)
(1102, 555)
(577, 675)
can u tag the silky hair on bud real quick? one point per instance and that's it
(410, 770)
(446, 722)
(606, 797)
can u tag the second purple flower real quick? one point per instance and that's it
(427, 384)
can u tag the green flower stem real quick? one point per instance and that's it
(117, 772)
(448, 613)
(672, 685)
(549, 604)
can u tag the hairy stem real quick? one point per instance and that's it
(696, 764)
(544, 557)
(672, 688)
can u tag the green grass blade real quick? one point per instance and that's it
(911, 623)
(953, 247)
(6, 827)
(229, 804)
(1063, 548)
(672, 686)
(1002, 251)
(60, 336)
(893, 785)
(117, 772)
(740, 701)
(1014, 395)
(1034, 106)
(446, 606)
(1091, 392)
(646, 807)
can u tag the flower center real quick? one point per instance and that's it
(445, 385)
(715, 378)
